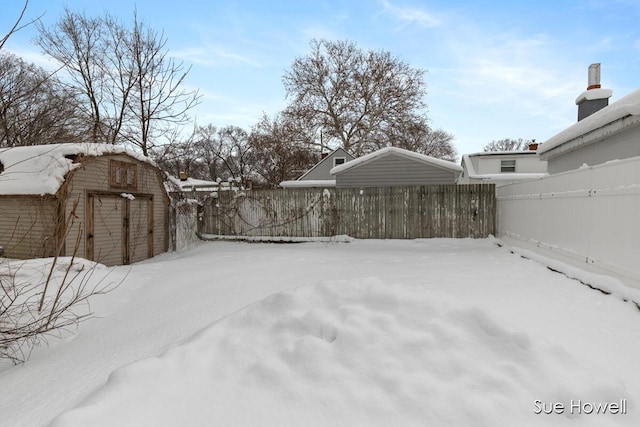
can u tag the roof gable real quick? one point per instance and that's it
(41, 169)
(395, 151)
(338, 152)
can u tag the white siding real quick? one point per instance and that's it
(587, 216)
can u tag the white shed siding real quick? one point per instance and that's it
(393, 170)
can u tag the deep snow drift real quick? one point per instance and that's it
(371, 333)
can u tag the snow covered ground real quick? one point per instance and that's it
(369, 333)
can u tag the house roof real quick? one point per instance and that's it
(327, 157)
(41, 169)
(502, 153)
(395, 151)
(193, 184)
(310, 183)
(624, 107)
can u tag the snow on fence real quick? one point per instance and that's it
(589, 216)
(368, 213)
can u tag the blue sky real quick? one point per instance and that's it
(495, 69)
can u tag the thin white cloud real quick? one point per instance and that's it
(410, 15)
(212, 55)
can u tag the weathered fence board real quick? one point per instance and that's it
(366, 213)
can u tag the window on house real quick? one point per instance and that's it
(123, 175)
(507, 166)
(339, 161)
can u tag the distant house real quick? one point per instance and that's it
(320, 174)
(95, 201)
(186, 184)
(603, 132)
(392, 166)
(501, 167)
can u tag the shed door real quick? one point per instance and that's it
(140, 229)
(106, 218)
(119, 230)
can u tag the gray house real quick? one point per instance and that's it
(603, 132)
(392, 166)
(319, 175)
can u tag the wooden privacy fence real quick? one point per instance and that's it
(368, 213)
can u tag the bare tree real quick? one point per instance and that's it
(360, 100)
(34, 308)
(508, 144)
(420, 138)
(275, 158)
(76, 42)
(132, 91)
(158, 99)
(35, 107)
(18, 25)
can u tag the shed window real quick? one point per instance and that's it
(507, 166)
(123, 175)
(339, 161)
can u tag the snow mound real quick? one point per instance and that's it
(357, 352)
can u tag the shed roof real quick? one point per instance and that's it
(41, 169)
(626, 106)
(427, 160)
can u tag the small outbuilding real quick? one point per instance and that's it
(393, 166)
(95, 201)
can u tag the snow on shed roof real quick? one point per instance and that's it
(400, 152)
(626, 106)
(41, 169)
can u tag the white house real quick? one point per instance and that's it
(501, 167)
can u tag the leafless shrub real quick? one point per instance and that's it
(43, 298)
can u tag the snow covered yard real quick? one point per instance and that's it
(372, 333)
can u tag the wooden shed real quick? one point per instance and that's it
(392, 166)
(100, 202)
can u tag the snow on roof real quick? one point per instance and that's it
(309, 183)
(193, 183)
(626, 106)
(41, 169)
(326, 159)
(400, 152)
(502, 153)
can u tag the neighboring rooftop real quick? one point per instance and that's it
(444, 164)
(627, 106)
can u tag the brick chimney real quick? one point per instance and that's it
(594, 98)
